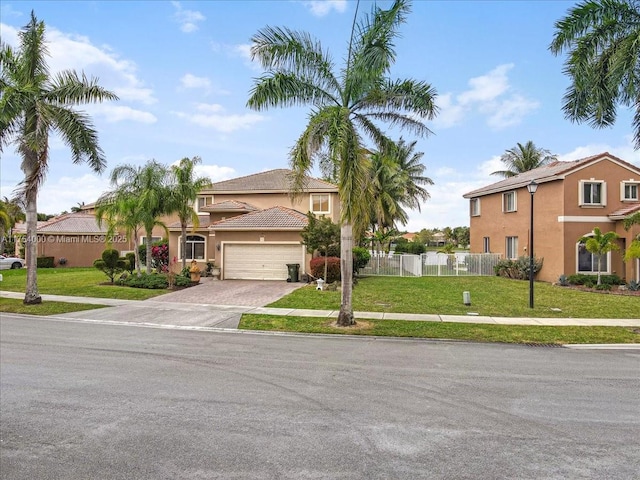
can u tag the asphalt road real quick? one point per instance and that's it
(90, 401)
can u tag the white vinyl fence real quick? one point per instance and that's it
(432, 264)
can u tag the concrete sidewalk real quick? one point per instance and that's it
(162, 312)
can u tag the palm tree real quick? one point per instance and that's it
(148, 185)
(600, 244)
(603, 62)
(396, 181)
(5, 225)
(122, 212)
(523, 158)
(184, 190)
(33, 103)
(345, 107)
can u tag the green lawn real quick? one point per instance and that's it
(439, 330)
(13, 305)
(79, 282)
(490, 296)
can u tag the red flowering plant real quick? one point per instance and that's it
(160, 257)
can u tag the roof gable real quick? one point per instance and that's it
(548, 173)
(274, 218)
(271, 181)
(73, 223)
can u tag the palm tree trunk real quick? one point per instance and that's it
(183, 243)
(345, 317)
(2, 240)
(31, 295)
(599, 260)
(136, 251)
(149, 240)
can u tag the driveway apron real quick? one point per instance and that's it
(212, 303)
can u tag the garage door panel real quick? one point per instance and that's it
(260, 261)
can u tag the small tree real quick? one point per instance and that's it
(111, 263)
(600, 244)
(320, 234)
(633, 250)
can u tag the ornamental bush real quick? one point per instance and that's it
(333, 268)
(517, 269)
(111, 263)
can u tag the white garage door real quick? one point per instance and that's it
(262, 261)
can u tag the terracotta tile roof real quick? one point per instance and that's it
(229, 206)
(73, 223)
(203, 222)
(274, 218)
(625, 211)
(269, 181)
(21, 227)
(548, 173)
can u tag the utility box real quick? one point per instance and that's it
(466, 298)
(294, 269)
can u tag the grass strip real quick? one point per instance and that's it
(529, 334)
(14, 305)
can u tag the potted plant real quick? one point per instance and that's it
(212, 270)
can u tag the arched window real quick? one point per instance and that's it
(194, 249)
(587, 262)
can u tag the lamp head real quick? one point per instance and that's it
(532, 187)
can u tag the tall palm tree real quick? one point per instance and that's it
(523, 158)
(33, 103)
(603, 61)
(149, 186)
(600, 244)
(183, 192)
(345, 108)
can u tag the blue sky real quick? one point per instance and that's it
(183, 75)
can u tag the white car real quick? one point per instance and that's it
(7, 263)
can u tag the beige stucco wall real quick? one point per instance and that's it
(79, 250)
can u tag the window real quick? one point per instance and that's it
(593, 193)
(509, 202)
(194, 248)
(486, 247)
(629, 191)
(203, 202)
(512, 247)
(475, 207)
(588, 262)
(320, 203)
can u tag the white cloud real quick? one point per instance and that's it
(511, 111)
(487, 88)
(191, 81)
(320, 8)
(75, 52)
(188, 19)
(56, 197)
(212, 116)
(215, 172)
(490, 95)
(118, 113)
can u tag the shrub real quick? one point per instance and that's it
(45, 262)
(590, 280)
(182, 281)
(151, 281)
(160, 257)
(333, 268)
(110, 263)
(633, 286)
(604, 286)
(361, 257)
(518, 269)
(131, 258)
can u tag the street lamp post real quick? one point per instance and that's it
(532, 187)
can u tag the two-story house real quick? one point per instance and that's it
(571, 199)
(250, 226)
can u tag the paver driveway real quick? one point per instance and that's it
(248, 293)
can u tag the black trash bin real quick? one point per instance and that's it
(293, 268)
